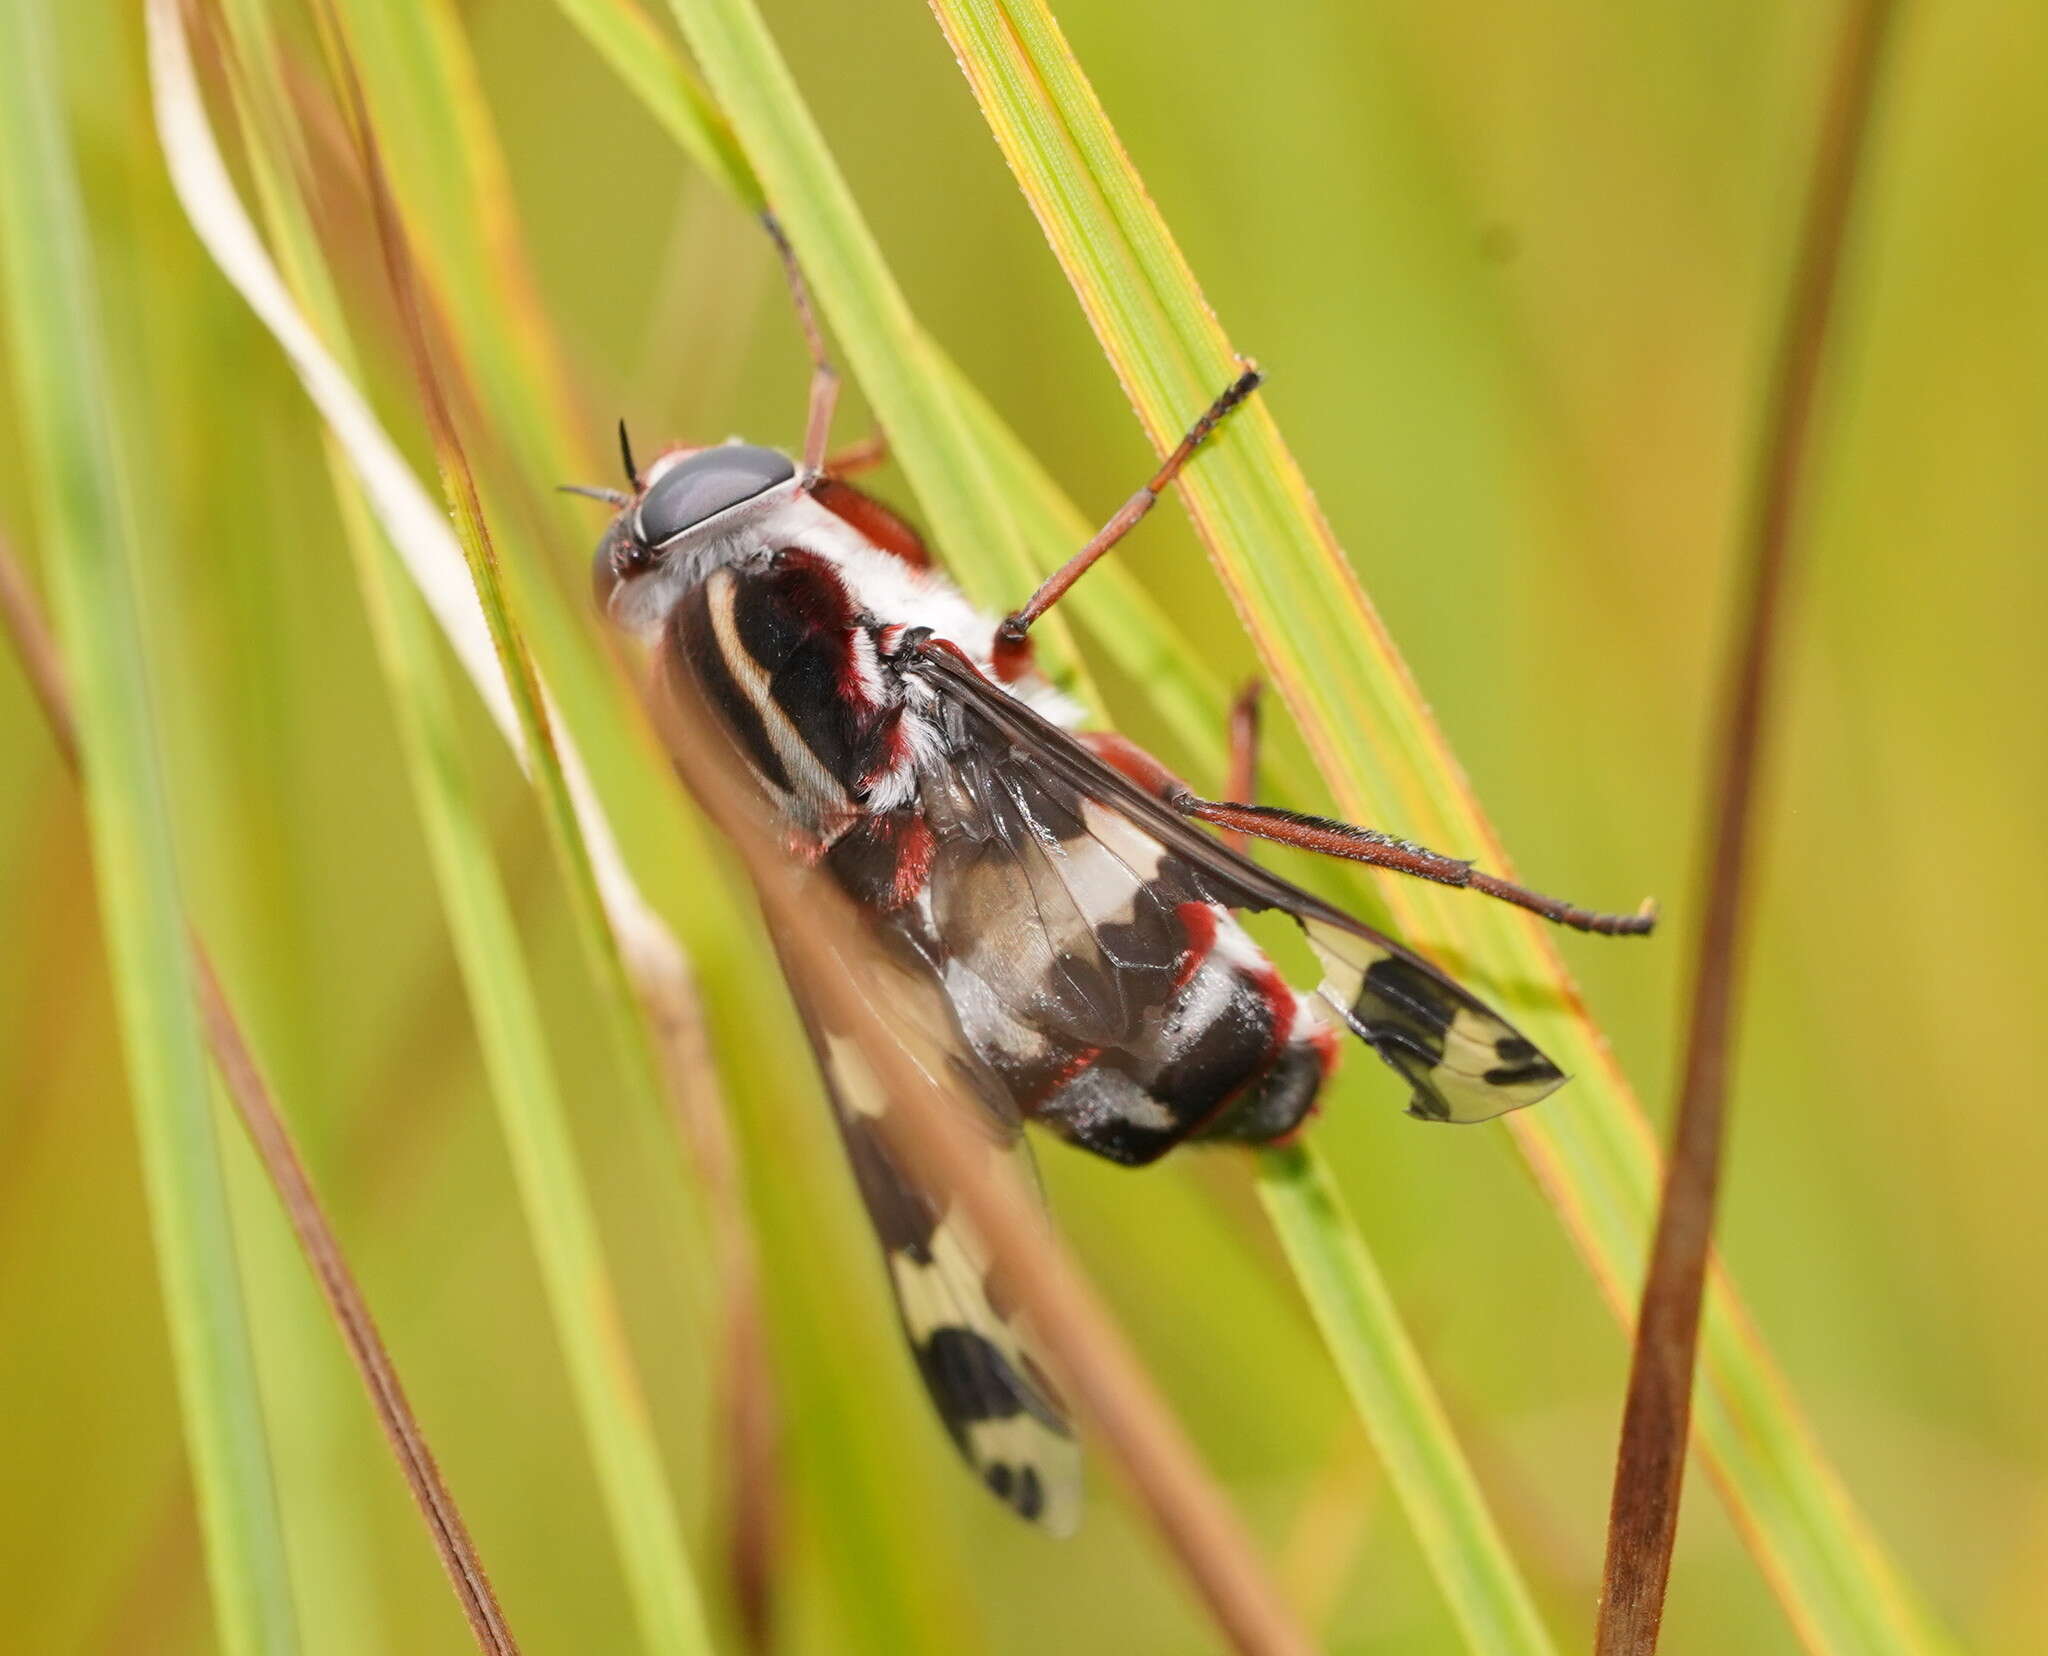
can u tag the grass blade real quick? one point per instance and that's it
(431, 87)
(1387, 763)
(1399, 1406)
(76, 457)
(1649, 1472)
(581, 1298)
(641, 56)
(243, 1078)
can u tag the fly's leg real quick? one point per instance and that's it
(1010, 635)
(1243, 779)
(824, 377)
(855, 458)
(1378, 850)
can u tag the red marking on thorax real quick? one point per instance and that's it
(873, 521)
(813, 590)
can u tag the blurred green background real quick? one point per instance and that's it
(1514, 273)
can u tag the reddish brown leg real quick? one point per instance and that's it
(1366, 845)
(859, 457)
(824, 378)
(1243, 778)
(1015, 626)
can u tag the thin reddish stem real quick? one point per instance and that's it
(1650, 1466)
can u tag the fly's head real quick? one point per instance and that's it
(691, 511)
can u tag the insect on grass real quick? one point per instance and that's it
(1050, 927)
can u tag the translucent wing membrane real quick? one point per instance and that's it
(1048, 900)
(1466, 1063)
(1462, 1060)
(970, 1349)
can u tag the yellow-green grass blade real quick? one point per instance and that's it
(641, 56)
(561, 1218)
(75, 456)
(1399, 1405)
(1387, 763)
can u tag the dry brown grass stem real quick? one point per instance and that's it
(1650, 1466)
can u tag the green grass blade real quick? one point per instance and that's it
(1387, 763)
(641, 56)
(582, 1299)
(1399, 1406)
(606, 910)
(76, 459)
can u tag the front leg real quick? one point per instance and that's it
(1010, 636)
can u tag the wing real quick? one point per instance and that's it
(1463, 1061)
(970, 1349)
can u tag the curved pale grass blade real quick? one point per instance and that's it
(1387, 762)
(75, 458)
(561, 1220)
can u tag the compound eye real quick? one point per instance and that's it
(619, 557)
(700, 487)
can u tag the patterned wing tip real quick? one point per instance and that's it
(1465, 1062)
(994, 1400)
(970, 1348)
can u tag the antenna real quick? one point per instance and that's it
(626, 454)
